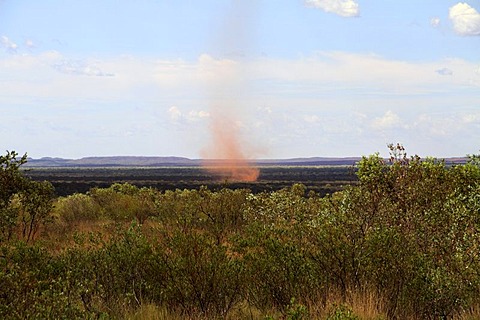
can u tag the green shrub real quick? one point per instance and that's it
(77, 208)
(35, 286)
(203, 278)
(342, 312)
(124, 202)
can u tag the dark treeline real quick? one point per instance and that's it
(402, 243)
(67, 181)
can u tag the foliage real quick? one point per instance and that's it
(34, 285)
(35, 204)
(11, 182)
(76, 208)
(11, 179)
(342, 312)
(474, 159)
(203, 278)
(408, 233)
(23, 201)
(296, 311)
(123, 202)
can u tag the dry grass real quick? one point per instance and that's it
(366, 305)
(59, 236)
(473, 313)
(151, 312)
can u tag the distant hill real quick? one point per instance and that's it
(116, 161)
(314, 161)
(133, 161)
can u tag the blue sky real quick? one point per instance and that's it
(293, 78)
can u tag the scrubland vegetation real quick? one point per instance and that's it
(320, 178)
(403, 243)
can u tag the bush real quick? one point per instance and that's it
(77, 208)
(34, 285)
(342, 312)
(203, 278)
(407, 234)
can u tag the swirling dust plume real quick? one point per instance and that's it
(227, 156)
(226, 153)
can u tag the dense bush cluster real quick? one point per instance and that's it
(402, 244)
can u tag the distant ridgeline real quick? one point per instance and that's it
(114, 161)
(134, 161)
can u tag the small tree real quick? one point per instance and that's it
(11, 182)
(36, 203)
(21, 199)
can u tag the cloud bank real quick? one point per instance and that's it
(465, 19)
(300, 107)
(344, 8)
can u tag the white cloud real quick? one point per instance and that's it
(465, 19)
(29, 44)
(276, 83)
(221, 73)
(344, 8)
(331, 75)
(435, 22)
(471, 118)
(194, 115)
(8, 44)
(389, 120)
(448, 123)
(177, 116)
(295, 106)
(311, 118)
(436, 125)
(337, 71)
(174, 113)
(80, 68)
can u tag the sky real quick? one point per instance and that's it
(293, 78)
